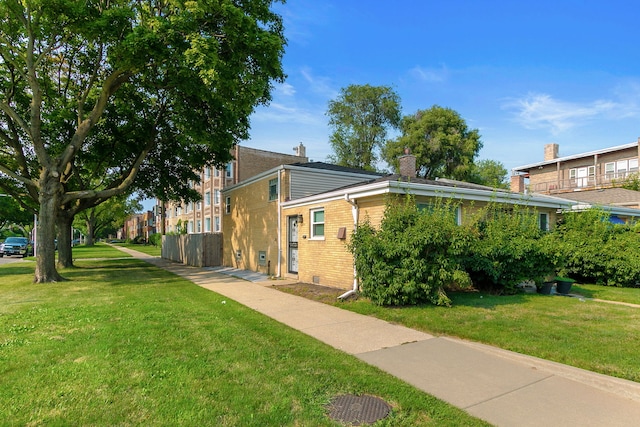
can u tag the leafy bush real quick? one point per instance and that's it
(507, 249)
(413, 256)
(155, 239)
(598, 251)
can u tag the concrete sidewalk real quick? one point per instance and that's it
(501, 387)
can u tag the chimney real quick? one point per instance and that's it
(301, 150)
(407, 164)
(517, 183)
(551, 151)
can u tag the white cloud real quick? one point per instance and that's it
(542, 111)
(285, 89)
(280, 113)
(319, 85)
(430, 75)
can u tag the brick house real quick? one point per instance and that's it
(284, 224)
(206, 215)
(139, 225)
(580, 176)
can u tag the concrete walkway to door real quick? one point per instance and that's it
(501, 387)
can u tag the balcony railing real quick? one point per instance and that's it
(583, 183)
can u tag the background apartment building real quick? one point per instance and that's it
(205, 216)
(594, 177)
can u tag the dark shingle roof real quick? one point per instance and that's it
(329, 166)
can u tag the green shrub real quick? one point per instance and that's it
(155, 239)
(412, 257)
(598, 251)
(507, 249)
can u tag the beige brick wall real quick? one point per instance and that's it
(251, 227)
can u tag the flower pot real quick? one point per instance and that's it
(563, 286)
(546, 288)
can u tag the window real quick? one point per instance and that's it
(189, 207)
(207, 173)
(229, 170)
(207, 198)
(543, 221)
(216, 223)
(227, 203)
(273, 189)
(455, 210)
(207, 225)
(216, 197)
(610, 170)
(216, 173)
(199, 205)
(190, 227)
(317, 224)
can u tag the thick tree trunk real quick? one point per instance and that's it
(91, 225)
(65, 254)
(50, 191)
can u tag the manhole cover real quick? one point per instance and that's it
(357, 410)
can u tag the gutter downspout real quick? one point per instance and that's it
(354, 213)
(277, 274)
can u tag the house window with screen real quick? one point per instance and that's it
(455, 210)
(229, 170)
(227, 205)
(317, 223)
(543, 221)
(273, 189)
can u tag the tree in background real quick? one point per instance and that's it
(123, 87)
(489, 172)
(360, 118)
(12, 214)
(441, 141)
(106, 218)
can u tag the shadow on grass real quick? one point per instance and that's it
(14, 269)
(576, 289)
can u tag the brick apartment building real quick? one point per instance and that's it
(206, 215)
(139, 225)
(593, 177)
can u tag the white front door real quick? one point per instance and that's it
(292, 243)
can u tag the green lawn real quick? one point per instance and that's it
(125, 343)
(596, 336)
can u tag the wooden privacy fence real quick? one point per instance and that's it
(198, 250)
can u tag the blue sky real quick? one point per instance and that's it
(524, 73)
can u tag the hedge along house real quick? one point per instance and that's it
(326, 221)
(255, 231)
(296, 220)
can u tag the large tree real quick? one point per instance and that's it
(94, 91)
(361, 117)
(489, 172)
(441, 141)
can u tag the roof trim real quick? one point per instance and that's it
(525, 168)
(433, 190)
(301, 167)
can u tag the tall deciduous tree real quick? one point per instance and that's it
(93, 92)
(441, 141)
(489, 172)
(361, 117)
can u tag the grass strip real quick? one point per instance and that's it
(125, 343)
